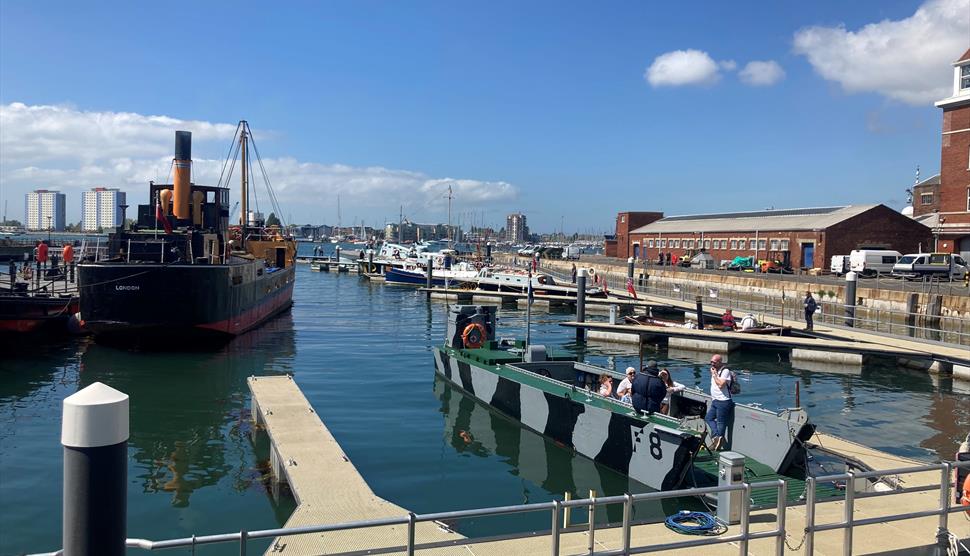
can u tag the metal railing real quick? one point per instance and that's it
(849, 523)
(556, 508)
(901, 324)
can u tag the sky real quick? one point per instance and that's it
(566, 111)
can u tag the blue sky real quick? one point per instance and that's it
(541, 107)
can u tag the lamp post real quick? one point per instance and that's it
(48, 229)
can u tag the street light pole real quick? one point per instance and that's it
(48, 229)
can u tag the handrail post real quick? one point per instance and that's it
(627, 516)
(243, 537)
(946, 473)
(592, 520)
(810, 516)
(410, 534)
(849, 514)
(745, 510)
(554, 534)
(781, 516)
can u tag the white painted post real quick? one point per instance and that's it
(580, 303)
(850, 298)
(94, 434)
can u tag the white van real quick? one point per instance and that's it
(869, 262)
(571, 252)
(839, 265)
(945, 266)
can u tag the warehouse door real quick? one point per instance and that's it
(964, 248)
(808, 255)
(636, 251)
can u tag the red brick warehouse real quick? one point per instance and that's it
(801, 238)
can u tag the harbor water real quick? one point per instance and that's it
(361, 353)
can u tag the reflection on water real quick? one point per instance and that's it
(361, 353)
(544, 466)
(181, 450)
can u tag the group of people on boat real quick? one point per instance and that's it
(649, 390)
(729, 323)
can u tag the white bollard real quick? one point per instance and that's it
(94, 434)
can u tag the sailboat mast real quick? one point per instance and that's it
(243, 155)
(449, 216)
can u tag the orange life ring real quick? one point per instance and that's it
(965, 499)
(473, 337)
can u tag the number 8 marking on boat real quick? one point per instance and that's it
(656, 450)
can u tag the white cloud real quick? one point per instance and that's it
(761, 73)
(683, 67)
(728, 65)
(60, 147)
(907, 59)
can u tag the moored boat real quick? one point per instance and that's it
(549, 393)
(22, 312)
(181, 270)
(517, 280)
(414, 274)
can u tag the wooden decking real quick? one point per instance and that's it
(329, 489)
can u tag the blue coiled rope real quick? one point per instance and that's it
(695, 523)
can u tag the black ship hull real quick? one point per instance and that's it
(30, 313)
(183, 300)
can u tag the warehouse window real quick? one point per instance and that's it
(741, 244)
(734, 244)
(724, 244)
(690, 244)
(965, 77)
(707, 244)
(663, 243)
(650, 243)
(926, 198)
(774, 245)
(676, 244)
(762, 244)
(784, 245)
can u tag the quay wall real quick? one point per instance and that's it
(953, 305)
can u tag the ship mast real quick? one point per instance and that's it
(243, 155)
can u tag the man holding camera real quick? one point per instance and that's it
(722, 404)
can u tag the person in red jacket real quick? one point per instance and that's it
(727, 321)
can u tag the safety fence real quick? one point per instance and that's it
(789, 308)
(779, 533)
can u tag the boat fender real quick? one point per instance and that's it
(473, 337)
(965, 499)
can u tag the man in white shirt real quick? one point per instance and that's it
(722, 405)
(624, 390)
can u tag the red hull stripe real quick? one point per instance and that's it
(253, 317)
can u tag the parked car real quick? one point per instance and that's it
(777, 267)
(869, 262)
(840, 264)
(942, 266)
(742, 264)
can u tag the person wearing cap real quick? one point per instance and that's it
(648, 390)
(624, 390)
(722, 404)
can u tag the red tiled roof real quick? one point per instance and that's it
(965, 57)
